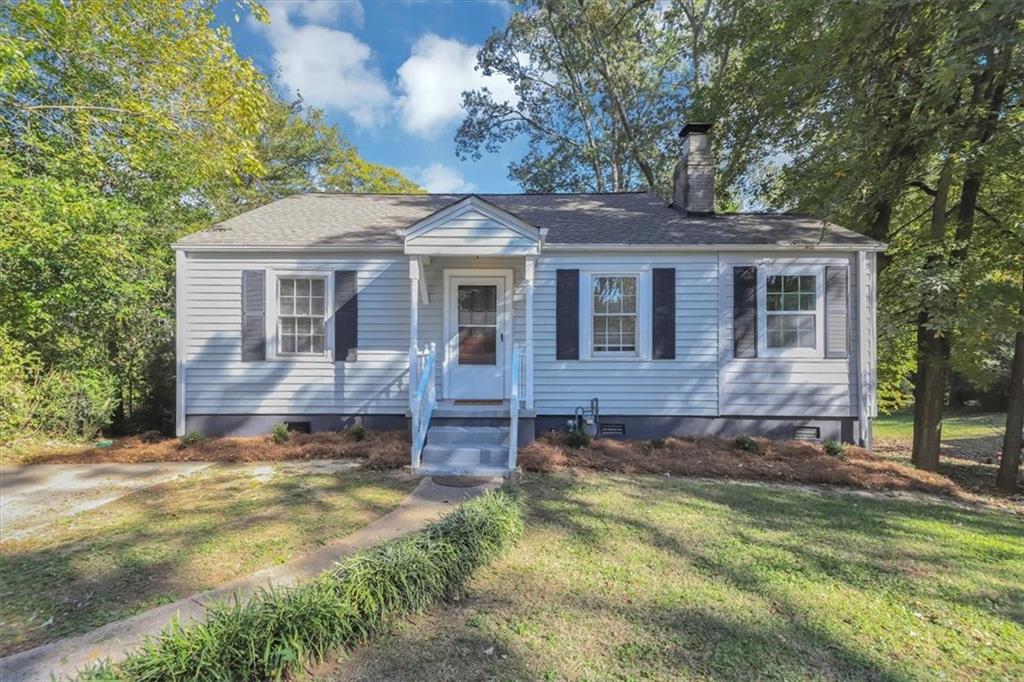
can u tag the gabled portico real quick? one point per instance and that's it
(477, 345)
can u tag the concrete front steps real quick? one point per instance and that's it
(465, 451)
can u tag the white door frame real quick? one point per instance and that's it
(505, 316)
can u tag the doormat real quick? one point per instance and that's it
(479, 402)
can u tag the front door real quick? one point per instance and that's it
(476, 337)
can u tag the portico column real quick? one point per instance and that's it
(414, 320)
(531, 263)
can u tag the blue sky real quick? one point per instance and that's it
(389, 73)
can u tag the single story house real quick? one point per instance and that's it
(480, 320)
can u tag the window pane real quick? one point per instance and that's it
(316, 306)
(805, 331)
(317, 288)
(287, 287)
(775, 284)
(303, 344)
(302, 288)
(478, 345)
(774, 301)
(287, 344)
(318, 344)
(807, 301)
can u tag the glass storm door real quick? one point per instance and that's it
(476, 338)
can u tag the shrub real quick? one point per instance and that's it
(279, 433)
(357, 432)
(834, 448)
(279, 631)
(578, 438)
(656, 443)
(151, 436)
(747, 444)
(190, 439)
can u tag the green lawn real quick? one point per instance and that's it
(954, 427)
(167, 542)
(659, 578)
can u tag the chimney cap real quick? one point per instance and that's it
(694, 128)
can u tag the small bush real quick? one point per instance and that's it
(578, 438)
(278, 632)
(190, 439)
(357, 432)
(747, 444)
(279, 433)
(834, 448)
(656, 443)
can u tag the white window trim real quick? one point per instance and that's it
(272, 322)
(643, 314)
(763, 273)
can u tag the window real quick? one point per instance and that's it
(614, 313)
(301, 312)
(791, 307)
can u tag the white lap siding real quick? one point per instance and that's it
(685, 386)
(218, 382)
(780, 386)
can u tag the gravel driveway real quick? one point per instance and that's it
(33, 495)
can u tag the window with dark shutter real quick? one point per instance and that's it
(254, 329)
(663, 325)
(567, 314)
(744, 292)
(346, 316)
(837, 311)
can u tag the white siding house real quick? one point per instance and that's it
(502, 314)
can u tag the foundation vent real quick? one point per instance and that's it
(807, 433)
(299, 427)
(613, 429)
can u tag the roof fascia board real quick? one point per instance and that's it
(288, 248)
(715, 247)
(473, 202)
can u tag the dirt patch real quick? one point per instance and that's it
(788, 461)
(380, 449)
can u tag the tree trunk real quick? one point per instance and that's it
(1013, 439)
(932, 345)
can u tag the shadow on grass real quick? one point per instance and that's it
(887, 549)
(174, 539)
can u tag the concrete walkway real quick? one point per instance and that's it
(428, 502)
(33, 495)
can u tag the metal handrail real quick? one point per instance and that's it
(513, 425)
(424, 400)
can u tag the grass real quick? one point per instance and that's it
(169, 541)
(651, 577)
(279, 632)
(954, 426)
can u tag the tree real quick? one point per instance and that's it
(125, 124)
(601, 88)
(299, 152)
(1013, 439)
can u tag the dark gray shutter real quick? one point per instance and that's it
(663, 331)
(346, 315)
(254, 315)
(837, 311)
(744, 311)
(567, 315)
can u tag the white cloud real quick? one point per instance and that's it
(322, 12)
(438, 178)
(332, 69)
(432, 81)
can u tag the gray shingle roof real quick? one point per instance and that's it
(638, 218)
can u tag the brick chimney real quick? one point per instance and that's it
(693, 182)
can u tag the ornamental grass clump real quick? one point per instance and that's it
(279, 631)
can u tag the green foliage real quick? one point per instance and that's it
(191, 439)
(834, 448)
(279, 433)
(357, 432)
(747, 444)
(124, 125)
(279, 631)
(578, 438)
(65, 403)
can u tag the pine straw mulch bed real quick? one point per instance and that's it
(780, 461)
(380, 449)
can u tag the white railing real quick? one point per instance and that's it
(518, 381)
(424, 399)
